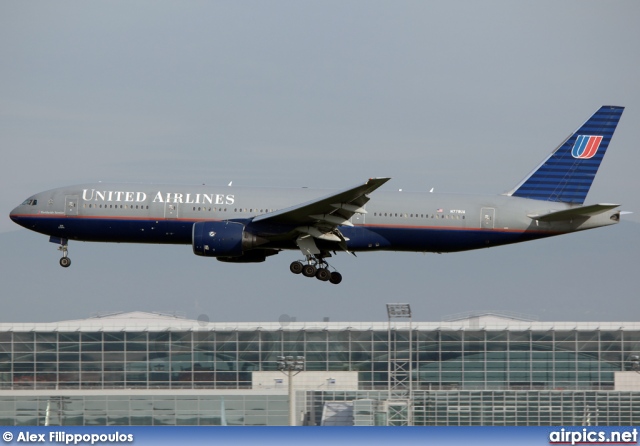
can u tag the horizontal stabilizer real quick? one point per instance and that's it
(569, 214)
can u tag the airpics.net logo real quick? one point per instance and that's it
(588, 436)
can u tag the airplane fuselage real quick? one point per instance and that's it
(395, 221)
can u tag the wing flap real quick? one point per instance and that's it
(577, 212)
(317, 233)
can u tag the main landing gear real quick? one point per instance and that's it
(316, 267)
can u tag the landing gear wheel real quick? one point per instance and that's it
(296, 267)
(323, 274)
(65, 262)
(335, 278)
(309, 271)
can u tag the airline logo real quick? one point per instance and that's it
(586, 147)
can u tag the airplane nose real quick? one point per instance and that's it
(15, 215)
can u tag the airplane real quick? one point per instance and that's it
(242, 225)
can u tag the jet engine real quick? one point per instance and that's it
(222, 239)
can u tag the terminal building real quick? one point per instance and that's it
(475, 369)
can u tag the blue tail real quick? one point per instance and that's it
(569, 171)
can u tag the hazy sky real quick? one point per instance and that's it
(460, 96)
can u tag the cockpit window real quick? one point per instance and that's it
(29, 202)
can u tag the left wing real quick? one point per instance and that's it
(332, 210)
(320, 218)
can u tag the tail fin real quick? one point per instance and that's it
(567, 174)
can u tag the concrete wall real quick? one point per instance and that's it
(306, 381)
(627, 381)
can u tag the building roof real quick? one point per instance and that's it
(142, 321)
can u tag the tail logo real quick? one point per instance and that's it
(586, 146)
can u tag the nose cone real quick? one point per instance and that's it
(15, 215)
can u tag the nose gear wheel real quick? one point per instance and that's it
(65, 261)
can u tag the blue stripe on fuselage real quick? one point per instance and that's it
(361, 238)
(432, 239)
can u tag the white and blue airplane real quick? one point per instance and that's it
(236, 224)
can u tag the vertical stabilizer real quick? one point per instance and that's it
(567, 174)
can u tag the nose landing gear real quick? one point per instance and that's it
(65, 261)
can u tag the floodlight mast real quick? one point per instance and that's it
(400, 358)
(291, 367)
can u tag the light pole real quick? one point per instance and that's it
(291, 367)
(400, 379)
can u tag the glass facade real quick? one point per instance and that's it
(441, 360)
(143, 410)
(503, 408)
(145, 371)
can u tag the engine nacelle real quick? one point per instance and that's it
(221, 239)
(255, 256)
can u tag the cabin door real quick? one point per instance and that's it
(71, 205)
(487, 218)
